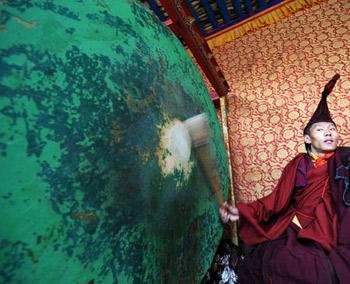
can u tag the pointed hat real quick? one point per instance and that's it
(322, 113)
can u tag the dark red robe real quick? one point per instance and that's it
(286, 254)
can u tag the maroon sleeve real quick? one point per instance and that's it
(257, 218)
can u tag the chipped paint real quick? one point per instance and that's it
(23, 22)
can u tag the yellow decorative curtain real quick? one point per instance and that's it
(266, 17)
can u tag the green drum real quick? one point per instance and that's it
(98, 181)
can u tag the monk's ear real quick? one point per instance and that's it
(307, 139)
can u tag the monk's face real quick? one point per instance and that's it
(323, 137)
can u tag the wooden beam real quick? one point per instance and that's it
(181, 16)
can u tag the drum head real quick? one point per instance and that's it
(99, 183)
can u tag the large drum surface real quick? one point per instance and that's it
(99, 183)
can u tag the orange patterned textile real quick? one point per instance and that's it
(276, 75)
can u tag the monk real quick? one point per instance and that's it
(300, 233)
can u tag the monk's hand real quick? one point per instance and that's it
(228, 213)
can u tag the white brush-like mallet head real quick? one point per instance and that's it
(198, 129)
